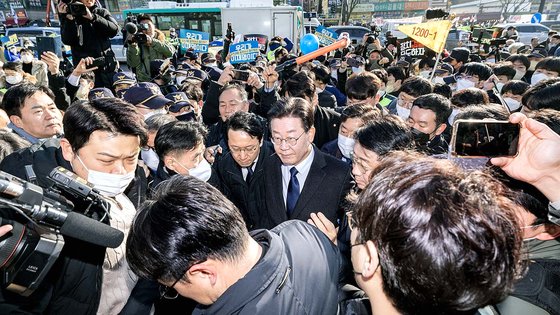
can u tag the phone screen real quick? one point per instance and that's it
(476, 138)
(240, 75)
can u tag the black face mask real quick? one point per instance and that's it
(420, 138)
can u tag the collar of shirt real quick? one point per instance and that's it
(244, 169)
(303, 170)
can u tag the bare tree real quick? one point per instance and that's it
(348, 7)
(511, 7)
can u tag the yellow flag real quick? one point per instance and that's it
(430, 34)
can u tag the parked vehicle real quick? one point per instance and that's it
(32, 32)
(356, 32)
(526, 31)
(117, 45)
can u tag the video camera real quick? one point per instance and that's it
(374, 34)
(498, 41)
(135, 29)
(29, 251)
(75, 7)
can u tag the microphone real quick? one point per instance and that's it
(89, 230)
(131, 28)
(30, 199)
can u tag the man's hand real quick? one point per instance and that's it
(88, 14)
(4, 229)
(325, 225)
(538, 161)
(52, 61)
(270, 76)
(254, 80)
(226, 76)
(62, 7)
(383, 61)
(211, 152)
(82, 66)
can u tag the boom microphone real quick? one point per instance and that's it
(131, 28)
(89, 230)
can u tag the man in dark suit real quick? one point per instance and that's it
(301, 179)
(241, 171)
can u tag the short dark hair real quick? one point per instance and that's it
(293, 107)
(178, 136)
(416, 86)
(106, 114)
(443, 90)
(519, 57)
(549, 64)
(25, 50)
(437, 104)
(362, 86)
(154, 122)
(88, 76)
(505, 69)
(187, 221)
(470, 96)
(13, 65)
(15, 97)
(448, 240)
(365, 112)
(477, 68)
(516, 87)
(144, 17)
(385, 135)
(299, 85)
(322, 74)
(545, 94)
(549, 117)
(397, 72)
(381, 74)
(247, 122)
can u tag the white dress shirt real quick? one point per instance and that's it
(303, 170)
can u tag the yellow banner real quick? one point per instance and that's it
(430, 34)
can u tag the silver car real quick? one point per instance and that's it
(526, 31)
(117, 45)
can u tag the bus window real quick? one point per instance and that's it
(206, 25)
(218, 28)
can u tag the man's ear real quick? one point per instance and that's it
(552, 231)
(371, 264)
(311, 133)
(441, 129)
(169, 162)
(67, 151)
(16, 120)
(205, 270)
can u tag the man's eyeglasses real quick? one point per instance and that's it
(250, 149)
(169, 292)
(291, 141)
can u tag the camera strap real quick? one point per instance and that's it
(80, 35)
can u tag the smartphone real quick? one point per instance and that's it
(97, 62)
(352, 62)
(240, 75)
(484, 138)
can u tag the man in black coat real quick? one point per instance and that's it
(301, 179)
(89, 36)
(241, 171)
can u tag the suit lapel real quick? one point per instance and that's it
(312, 184)
(277, 207)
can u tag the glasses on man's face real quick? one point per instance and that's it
(291, 141)
(247, 150)
(169, 292)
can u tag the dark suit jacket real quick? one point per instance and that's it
(248, 197)
(324, 190)
(327, 99)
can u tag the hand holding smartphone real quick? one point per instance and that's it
(484, 138)
(240, 75)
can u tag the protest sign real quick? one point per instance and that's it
(243, 52)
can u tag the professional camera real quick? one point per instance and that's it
(137, 37)
(498, 41)
(29, 251)
(77, 8)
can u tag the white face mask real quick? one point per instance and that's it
(451, 118)
(533, 65)
(202, 171)
(491, 60)
(403, 112)
(425, 74)
(464, 84)
(26, 58)
(499, 86)
(180, 80)
(538, 77)
(346, 145)
(438, 80)
(150, 158)
(334, 73)
(155, 112)
(512, 104)
(519, 74)
(357, 70)
(318, 90)
(108, 184)
(14, 79)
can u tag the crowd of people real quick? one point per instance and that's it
(324, 188)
